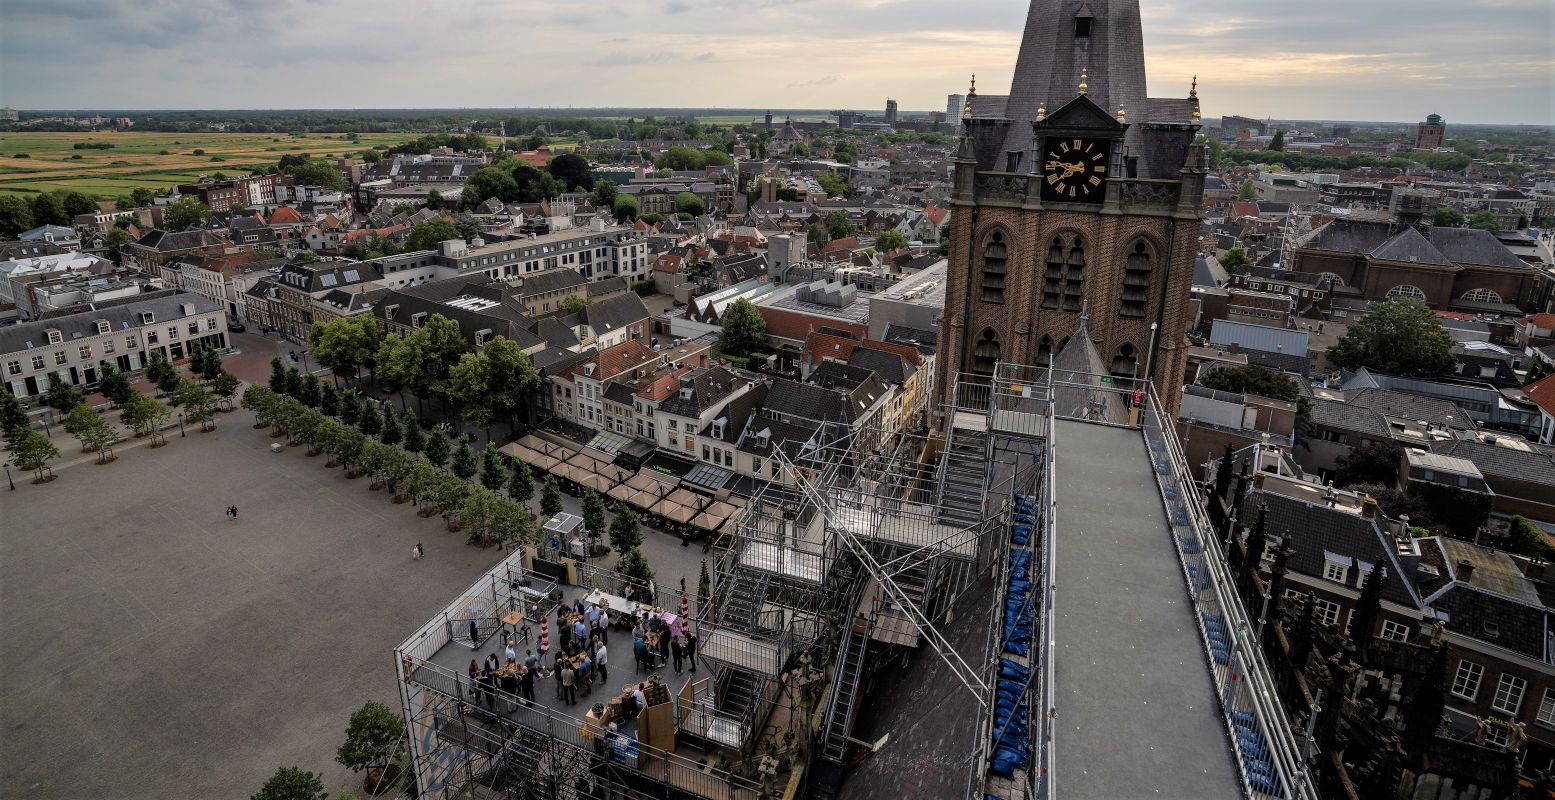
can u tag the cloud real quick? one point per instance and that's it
(1390, 59)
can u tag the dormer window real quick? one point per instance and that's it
(54, 336)
(146, 318)
(103, 327)
(1082, 27)
(417, 318)
(1335, 571)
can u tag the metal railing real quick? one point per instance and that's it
(569, 731)
(1240, 676)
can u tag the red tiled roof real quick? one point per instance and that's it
(1545, 321)
(1244, 208)
(285, 215)
(1542, 393)
(936, 214)
(663, 387)
(613, 361)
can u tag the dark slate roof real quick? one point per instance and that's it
(708, 387)
(739, 411)
(1282, 362)
(890, 367)
(607, 286)
(927, 342)
(619, 393)
(1493, 619)
(1503, 462)
(1335, 415)
(1412, 407)
(838, 376)
(168, 241)
(615, 313)
(1348, 236)
(554, 280)
(1317, 530)
(808, 401)
(1472, 246)
(1411, 248)
(787, 435)
(164, 305)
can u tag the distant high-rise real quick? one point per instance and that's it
(1429, 135)
(890, 112)
(953, 106)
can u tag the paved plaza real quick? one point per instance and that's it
(153, 648)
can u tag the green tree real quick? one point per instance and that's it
(464, 464)
(76, 204)
(13, 415)
(94, 432)
(367, 419)
(573, 171)
(744, 331)
(634, 567)
(375, 738)
(492, 180)
(835, 185)
(493, 474)
(626, 208)
(1277, 144)
(198, 403)
(449, 494)
(626, 532)
(140, 198)
(434, 199)
(350, 409)
(1448, 217)
(294, 382)
(550, 497)
(1400, 337)
(593, 514)
(575, 304)
(393, 433)
(1373, 462)
(605, 194)
(117, 239)
(470, 383)
(890, 240)
(46, 210)
(224, 386)
(1485, 221)
(817, 235)
(185, 213)
(1235, 260)
(15, 216)
(319, 173)
(346, 344)
(309, 391)
(521, 484)
(422, 479)
(838, 226)
(329, 400)
(1526, 539)
(292, 783)
(415, 440)
(64, 395)
(688, 203)
(277, 376)
(32, 451)
(258, 399)
(1248, 191)
(438, 448)
(427, 235)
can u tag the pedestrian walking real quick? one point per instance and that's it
(531, 660)
(691, 648)
(234, 512)
(415, 552)
(475, 636)
(475, 674)
(678, 651)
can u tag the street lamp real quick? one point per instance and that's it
(181, 433)
(8, 476)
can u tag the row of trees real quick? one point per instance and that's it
(482, 387)
(18, 214)
(514, 181)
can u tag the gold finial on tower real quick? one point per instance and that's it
(1196, 115)
(973, 89)
(1042, 111)
(1084, 76)
(1122, 114)
(1194, 92)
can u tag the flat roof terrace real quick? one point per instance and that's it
(1137, 714)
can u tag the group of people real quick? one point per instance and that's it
(656, 642)
(515, 680)
(576, 667)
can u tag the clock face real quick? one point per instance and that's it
(1075, 170)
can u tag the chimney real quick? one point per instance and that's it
(1234, 348)
(1369, 507)
(1465, 570)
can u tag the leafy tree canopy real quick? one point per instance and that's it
(1400, 337)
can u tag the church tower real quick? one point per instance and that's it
(1074, 192)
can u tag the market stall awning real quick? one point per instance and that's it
(707, 522)
(623, 493)
(678, 512)
(689, 499)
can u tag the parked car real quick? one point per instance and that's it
(236, 326)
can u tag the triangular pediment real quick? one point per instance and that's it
(1082, 114)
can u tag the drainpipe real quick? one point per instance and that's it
(1160, 306)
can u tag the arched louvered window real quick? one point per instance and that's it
(1136, 281)
(1063, 280)
(985, 356)
(995, 264)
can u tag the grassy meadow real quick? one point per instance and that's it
(153, 160)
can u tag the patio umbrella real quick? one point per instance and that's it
(679, 513)
(623, 493)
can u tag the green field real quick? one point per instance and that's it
(136, 160)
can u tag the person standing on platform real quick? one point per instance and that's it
(569, 679)
(475, 636)
(678, 652)
(691, 648)
(526, 684)
(600, 662)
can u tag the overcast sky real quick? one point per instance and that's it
(1479, 61)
